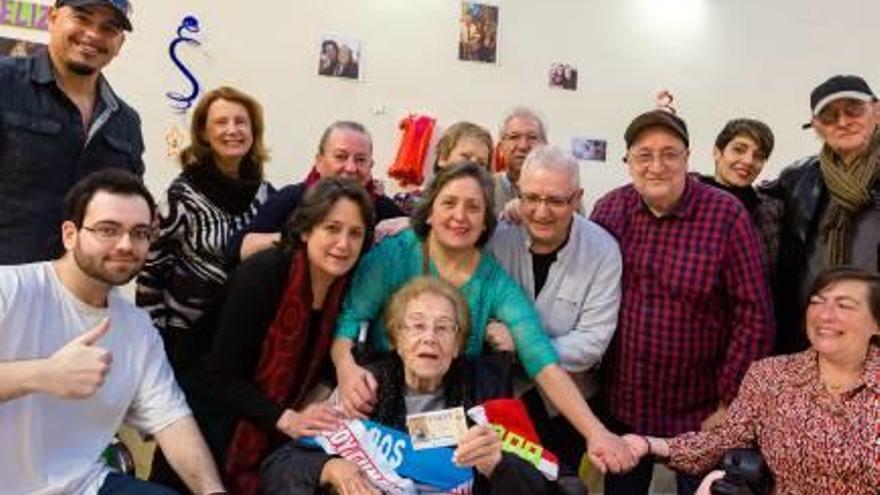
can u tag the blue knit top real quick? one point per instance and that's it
(490, 292)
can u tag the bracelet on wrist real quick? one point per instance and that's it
(650, 447)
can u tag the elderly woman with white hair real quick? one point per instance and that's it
(428, 324)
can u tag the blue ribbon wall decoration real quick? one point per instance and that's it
(179, 101)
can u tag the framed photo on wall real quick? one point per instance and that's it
(340, 57)
(588, 149)
(563, 76)
(478, 28)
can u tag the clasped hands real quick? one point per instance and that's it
(357, 389)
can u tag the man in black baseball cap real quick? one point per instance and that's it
(831, 200)
(656, 118)
(66, 122)
(838, 88)
(694, 281)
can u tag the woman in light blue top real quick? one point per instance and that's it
(450, 225)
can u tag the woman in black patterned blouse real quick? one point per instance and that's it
(218, 191)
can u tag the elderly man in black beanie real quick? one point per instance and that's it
(60, 121)
(831, 200)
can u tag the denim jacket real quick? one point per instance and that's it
(44, 151)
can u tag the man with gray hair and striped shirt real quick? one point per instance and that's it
(570, 267)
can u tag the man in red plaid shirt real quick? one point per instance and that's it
(695, 308)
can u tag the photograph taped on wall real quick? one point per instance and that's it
(478, 38)
(339, 57)
(585, 148)
(563, 76)
(12, 47)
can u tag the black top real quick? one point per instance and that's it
(234, 196)
(541, 268)
(253, 295)
(746, 195)
(297, 469)
(541, 264)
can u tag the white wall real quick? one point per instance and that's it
(721, 58)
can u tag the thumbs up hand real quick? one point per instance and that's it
(77, 370)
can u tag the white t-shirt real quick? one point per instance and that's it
(51, 445)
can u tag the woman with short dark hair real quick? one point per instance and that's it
(813, 415)
(276, 326)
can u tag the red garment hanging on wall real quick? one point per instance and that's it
(499, 164)
(409, 166)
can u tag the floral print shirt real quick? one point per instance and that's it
(813, 442)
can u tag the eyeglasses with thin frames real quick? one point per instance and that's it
(530, 200)
(530, 138)
(442, 327)
(112, 233)
(645, 158)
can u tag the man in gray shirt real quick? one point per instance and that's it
(571, 268)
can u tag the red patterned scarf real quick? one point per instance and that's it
(280, 373)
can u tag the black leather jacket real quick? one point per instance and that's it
(804, 196)
(803, 193)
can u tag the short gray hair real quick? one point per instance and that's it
(524, 112)
(343, 125)
(552, 158)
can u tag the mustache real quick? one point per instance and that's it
(129, 259)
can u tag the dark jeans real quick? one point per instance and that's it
(214, 421)
(638, 480)
(122, 484)
(557, 434)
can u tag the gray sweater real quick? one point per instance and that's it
(579, 301)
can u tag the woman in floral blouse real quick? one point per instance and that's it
(815, 416)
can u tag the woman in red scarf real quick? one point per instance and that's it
(277, 324)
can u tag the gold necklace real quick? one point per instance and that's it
(838, 387)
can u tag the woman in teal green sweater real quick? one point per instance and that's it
(449, 227)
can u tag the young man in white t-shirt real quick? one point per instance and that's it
(77, 359)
